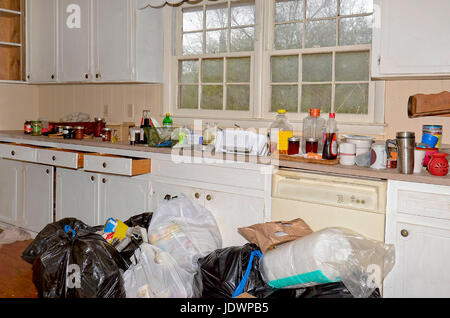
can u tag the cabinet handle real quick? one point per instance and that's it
(209, 197)
(197, 195)
(404, 233)
(54, 158)
(13, 153)
(104, 165)
(92, 178)
(104, 180)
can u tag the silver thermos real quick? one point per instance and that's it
(406, 143)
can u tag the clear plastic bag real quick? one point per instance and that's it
(327, 256)
(186, 230)
(155, 274)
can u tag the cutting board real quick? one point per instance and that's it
(307, 160)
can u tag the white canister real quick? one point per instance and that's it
(378, 157)
(347, 152)
(419, 156)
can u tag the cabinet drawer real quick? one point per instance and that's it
(19, 152)
(424, 204)
(116, 165)
(61, 158)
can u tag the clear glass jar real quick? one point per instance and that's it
(279, 133)
(313, 128)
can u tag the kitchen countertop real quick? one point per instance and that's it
(138, 150)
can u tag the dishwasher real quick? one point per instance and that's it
(326, 200)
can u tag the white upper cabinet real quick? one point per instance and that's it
(41, 45)
(74, 40)
(410, 38)
(94, 41)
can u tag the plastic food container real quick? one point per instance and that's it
(363, 148)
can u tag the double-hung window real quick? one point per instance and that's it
(216, 59)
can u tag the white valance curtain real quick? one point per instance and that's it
(160, 3)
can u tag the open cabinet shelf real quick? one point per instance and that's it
(12, 39)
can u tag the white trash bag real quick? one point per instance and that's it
(186, 230)
(330, 255)
(155, 274)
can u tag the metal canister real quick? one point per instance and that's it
(405, 143)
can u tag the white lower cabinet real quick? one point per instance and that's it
(421, 235)
(11, 178)
(230, 210)
(93, 198)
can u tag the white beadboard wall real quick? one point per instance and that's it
(18, 102)
(57, 101)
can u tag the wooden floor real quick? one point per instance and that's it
(15, 273)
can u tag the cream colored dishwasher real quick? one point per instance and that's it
(324, 200)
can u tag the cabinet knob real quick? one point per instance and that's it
(209, 197)
(104, 180)
(86, 76)
(167, 197)
(92, 178)
(47, 171)
(54, 158)
(197, 195)
(13, 153)
(404, 233)
(104, 165)
(53, 76)
(97, 75)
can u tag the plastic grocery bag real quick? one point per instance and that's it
(186, 230)
(331, 290)
(229, 272)
(327, 256)
(72, 261)
(155, 274)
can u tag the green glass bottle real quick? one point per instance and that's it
(167, 122)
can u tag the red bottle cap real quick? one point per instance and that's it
(332, 115)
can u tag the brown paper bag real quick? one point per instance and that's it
(268, 235)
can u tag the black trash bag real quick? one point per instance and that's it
(81, 265)
(330, 290)
(51, 235)
(222, 272)
(142, 220)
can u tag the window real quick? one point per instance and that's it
(320, 57)
(245, 59)
(215, 57)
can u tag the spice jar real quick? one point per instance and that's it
(99, 125)
(107, 134)
(293, 146)
(59, 129)
(36, 128)
(67, 133)
(79, 132)
(27, 127)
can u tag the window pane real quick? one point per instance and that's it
(212, 71)
(321, 8)
(192, 43)
(242, 13)
(238, 97)
(316, 96)
(285, 97)
(216, 41)
(317, 67)
(352, 66)
(352, 99)
(238, 70)
(216, 16)
(284, 69)
(288, 10)
(189, 71)
(321, 33)
(356, 6)
(192, 19)
(288, 36)
(212, 97)
(242, 39)
(355, 30)
(189, 97)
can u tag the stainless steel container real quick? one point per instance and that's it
(406, 143)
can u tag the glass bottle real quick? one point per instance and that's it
(313, 127)
(168, 122)
(279, 133)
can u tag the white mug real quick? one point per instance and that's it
(378, 157)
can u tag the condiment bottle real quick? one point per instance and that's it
(167, 122)
(329, 138)
(279, 133)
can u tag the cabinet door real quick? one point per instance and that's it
(421, 262)
(233, 211)
(162, 190)
(38, 197)
(113, 40)
(123, 197)
(411, 38)
(41, 35)
(10, 191)
(77, 195)
(75, 40)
